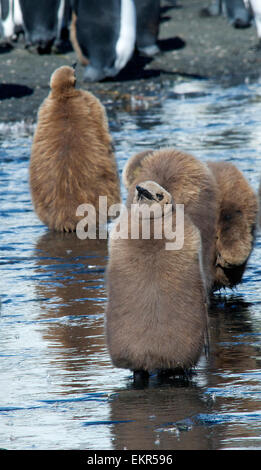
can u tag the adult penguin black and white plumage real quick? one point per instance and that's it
(103, 35)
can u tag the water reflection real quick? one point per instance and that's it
(71, 273)
(70, 280)
(234, 365)
(161, 417)
(235, 339)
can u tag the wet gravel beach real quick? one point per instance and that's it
(191, 46)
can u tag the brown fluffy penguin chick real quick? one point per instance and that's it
(190, 182)
(238, 211)
(72, 160)
(156, 316)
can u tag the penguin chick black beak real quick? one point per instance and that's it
(142, 192)
(74, 65)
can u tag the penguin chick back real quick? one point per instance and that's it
(72, 160)
(237, 222)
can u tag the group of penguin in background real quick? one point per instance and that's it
(157, 300)
(105, 33)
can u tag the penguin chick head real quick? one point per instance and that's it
(151, 194)
(63, 79)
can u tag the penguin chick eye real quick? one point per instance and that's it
(227, 217)
(159, 196)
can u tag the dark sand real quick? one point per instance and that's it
(191, 46)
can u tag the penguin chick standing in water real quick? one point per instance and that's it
(156, 317)
(191, 183)
(72, 160)
(237, 223)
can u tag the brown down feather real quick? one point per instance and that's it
(72, 160)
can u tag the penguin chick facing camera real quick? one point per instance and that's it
(190, 182)
(156, 315)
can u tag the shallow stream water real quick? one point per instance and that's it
(58, 387)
